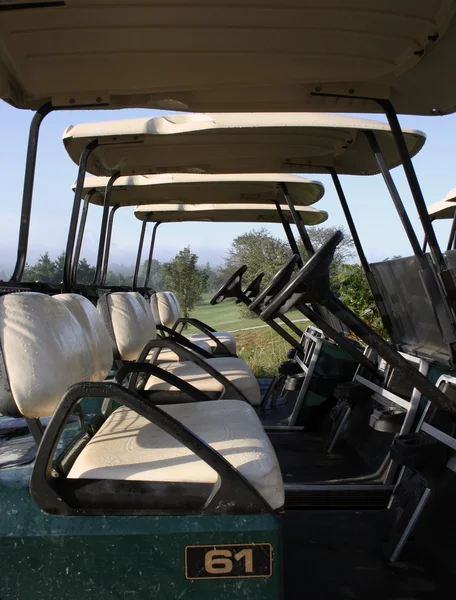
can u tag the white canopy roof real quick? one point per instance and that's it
(254, 55)
(444, 209)
(225, 213)
(190, 188)
(234, 143)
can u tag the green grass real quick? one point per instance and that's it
(261, 348)
(227, 316)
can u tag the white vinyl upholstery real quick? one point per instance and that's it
(234, 369)
(129, 447)
(166, 310)
(168, 355)
(225, 337)
(48, 344)
(129, 318)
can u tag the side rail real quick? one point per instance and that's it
(57, 494)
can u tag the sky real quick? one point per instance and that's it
(377, 222)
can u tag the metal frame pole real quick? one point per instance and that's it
(348, 216)
(82, 224)
(104, 226)
(441, 307)
(412, 179)
(298, 221)
(407, 225)
(139, 254)
(104, 272)
(75, 214)
(359, 249)
(27, 194)
(151, 253)
(289, 233)
(452, 236)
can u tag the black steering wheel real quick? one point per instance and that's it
(316, 268)
(231, 288)
(277, 282)
(253, 289)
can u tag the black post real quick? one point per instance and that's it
(298, 221)
(351, 224)
(139, 254)
(151, 253)
(104, 226)
(289, 233)
(289, 323)
(82, 224)
(359, 249)
(75, 214)
(378, 154)
(451, 239)
(27, 194)
(413, 182)
(104, 272)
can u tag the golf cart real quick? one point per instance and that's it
(260, 56)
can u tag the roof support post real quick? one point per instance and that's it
(407, 225)
(298, 221)
(104, 272)
(452, 237)
(151, 253)
(82, 224)
(289, 233)
(348, 216)
(139, 253)
(412, 179)
(439, 299)
(27, 194)
(359, 248)
(104, 226)
(67, 269)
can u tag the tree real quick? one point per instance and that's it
(44, 270)
(86, 273)
(185, 279)
(216, 277)
(157, 275)
(59, 265)
(354, 291)
(260, 251)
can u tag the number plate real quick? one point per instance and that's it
(228, 561)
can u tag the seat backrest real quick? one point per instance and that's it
(130, 322)
(48, 343)
(165, 308)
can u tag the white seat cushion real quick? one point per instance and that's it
(48, 344)
(168, 355)
(234, 369)
(129, 447)
(166, 310)
(225, 337)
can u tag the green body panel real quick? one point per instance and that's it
(127, 558)
(333, 366)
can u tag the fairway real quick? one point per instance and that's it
(227, 315)
(261, 347)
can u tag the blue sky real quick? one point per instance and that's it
(375, 217)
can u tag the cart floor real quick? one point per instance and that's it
(303, 458)
(338, 554)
